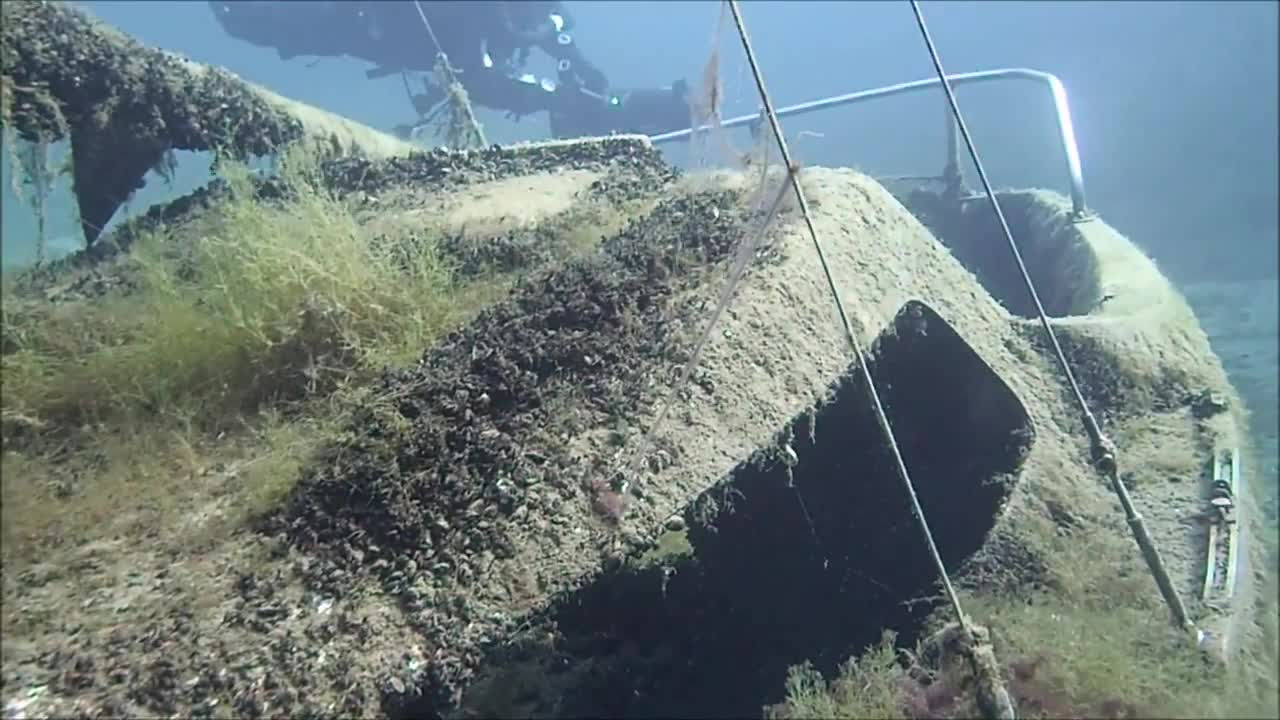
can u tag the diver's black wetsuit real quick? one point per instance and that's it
(487, 41)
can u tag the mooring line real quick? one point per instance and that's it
(435, 41)
(1102, 449)
(973, 642)
(882, 417)
(442, 61)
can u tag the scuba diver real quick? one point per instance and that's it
(486, 43)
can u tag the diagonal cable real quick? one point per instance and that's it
(1103, 450)
(882, 417)
(442, 61)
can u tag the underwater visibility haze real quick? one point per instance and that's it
(520, 359)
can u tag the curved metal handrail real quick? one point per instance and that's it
(1066, 131)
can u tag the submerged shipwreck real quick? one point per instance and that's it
(519, 538)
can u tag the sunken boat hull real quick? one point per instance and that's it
(486, 540)
(467, 551)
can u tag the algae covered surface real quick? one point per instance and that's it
(125, 107)
(377, 435)
(326, 381)
(446, 527)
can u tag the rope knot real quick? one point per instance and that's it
(1104, 455)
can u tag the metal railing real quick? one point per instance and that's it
(1066, 131)
(1223, 545)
